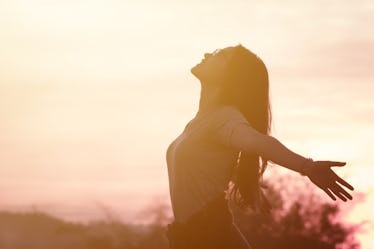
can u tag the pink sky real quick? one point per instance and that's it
(92, 92)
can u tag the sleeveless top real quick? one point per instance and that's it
(201, 160)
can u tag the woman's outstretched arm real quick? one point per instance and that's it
(246, 138)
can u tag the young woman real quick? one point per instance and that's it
(229, 141)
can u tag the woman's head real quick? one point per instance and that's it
(243, 82)
(213, 66)
(242, 79)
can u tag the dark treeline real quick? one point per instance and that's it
(303, 221)
(300, 219)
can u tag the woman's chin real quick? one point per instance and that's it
(195, 70)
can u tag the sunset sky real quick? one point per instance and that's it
(93, 92)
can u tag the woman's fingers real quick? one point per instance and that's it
(334, 164)
(344, 183)
(345, 193)
(328, 192)
(341, 197)
(341, 193)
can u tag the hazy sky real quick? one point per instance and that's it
(92, 92)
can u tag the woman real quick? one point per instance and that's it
(228, 141)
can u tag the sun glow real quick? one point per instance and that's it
(92, 92)
(333, 150)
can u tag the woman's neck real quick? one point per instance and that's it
(208, 99)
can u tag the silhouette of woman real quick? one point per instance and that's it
(228, 141)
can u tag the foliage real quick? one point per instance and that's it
(303, 221)
(307, 222)
(37, 230)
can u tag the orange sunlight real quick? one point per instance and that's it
(93, 92)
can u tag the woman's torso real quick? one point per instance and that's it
(201, 162)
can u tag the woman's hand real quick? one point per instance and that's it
(321, 174)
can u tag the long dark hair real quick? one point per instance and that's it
(246, 87)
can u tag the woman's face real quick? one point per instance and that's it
(212, 67)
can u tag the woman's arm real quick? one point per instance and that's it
(246, 138)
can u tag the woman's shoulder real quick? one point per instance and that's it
(227, 114)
